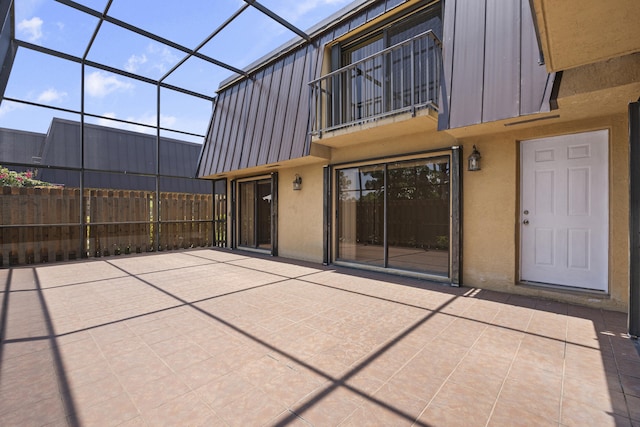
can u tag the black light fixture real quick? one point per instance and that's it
(474, 160)
(297, 183)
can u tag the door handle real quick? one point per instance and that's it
(525, 222)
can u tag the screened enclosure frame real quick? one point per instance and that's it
(8, 24)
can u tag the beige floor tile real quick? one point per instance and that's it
(157, 392)
(374, 415)
(508, 415)
(355, 348)
(595, 394)
(575, 413)
(200, 373)
(51, 409)
(89, 394)
(224, 390)
(111, 412)
(184, 357)
(326, 407)
(291, 388)
(531, 397)
(394, 395)
(253, 408)
(187, 409)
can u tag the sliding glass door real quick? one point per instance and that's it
(396, 215)
(255, 200)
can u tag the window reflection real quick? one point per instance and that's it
(417, 212)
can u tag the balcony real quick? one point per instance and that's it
(402, 78)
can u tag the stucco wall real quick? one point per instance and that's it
(300, 214)
(490, 204)
(491, 221)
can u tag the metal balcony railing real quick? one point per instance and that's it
(400, 78)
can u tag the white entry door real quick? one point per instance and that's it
(564, 217)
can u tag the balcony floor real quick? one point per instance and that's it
(212, 337)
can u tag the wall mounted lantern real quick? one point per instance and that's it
(474, 160)
(297, 183)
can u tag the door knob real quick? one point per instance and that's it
(525, 222)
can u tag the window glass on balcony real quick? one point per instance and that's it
(393, 69)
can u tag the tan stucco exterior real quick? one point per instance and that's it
(300, 214)
(491, 205)
(597, 84)
(578, 32)
(490, 197)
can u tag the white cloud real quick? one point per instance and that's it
(165, 57)
(99, 84)
(51, 95)
(134, 62)
(31, 29)
(27, 8)
(7, 107)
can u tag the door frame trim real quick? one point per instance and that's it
(518, 219)
(273, 177)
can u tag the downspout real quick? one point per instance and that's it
(634, 220)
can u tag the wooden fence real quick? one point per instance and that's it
(43, 224)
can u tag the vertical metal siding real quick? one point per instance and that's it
(341, 30)
(501, 97)
(232, 125)
(448, 34)
(206, 152)
(285, 121)
(212, 159)
(263, 105)
(490, 72)
(293, 106)
(242, 148)
(252, 113)
(236, 130)
(274, 118)
(301, 136)
(298, 105)
(226, 109)
(260, 91)
(63, 145)
(302, 146)
(468, 63)
(375, 11)
(393, 3)
(275, 103)
(491, 65)
(358, 20)
(534, 75)
(210, 152)
(20, 146)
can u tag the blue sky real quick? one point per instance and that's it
(48, 80)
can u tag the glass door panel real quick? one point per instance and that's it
(396, 215)
(418, 215)
(361, 214)
(247, 214)
(263, 204)
(255, 214)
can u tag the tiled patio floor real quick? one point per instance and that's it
(208, 337)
